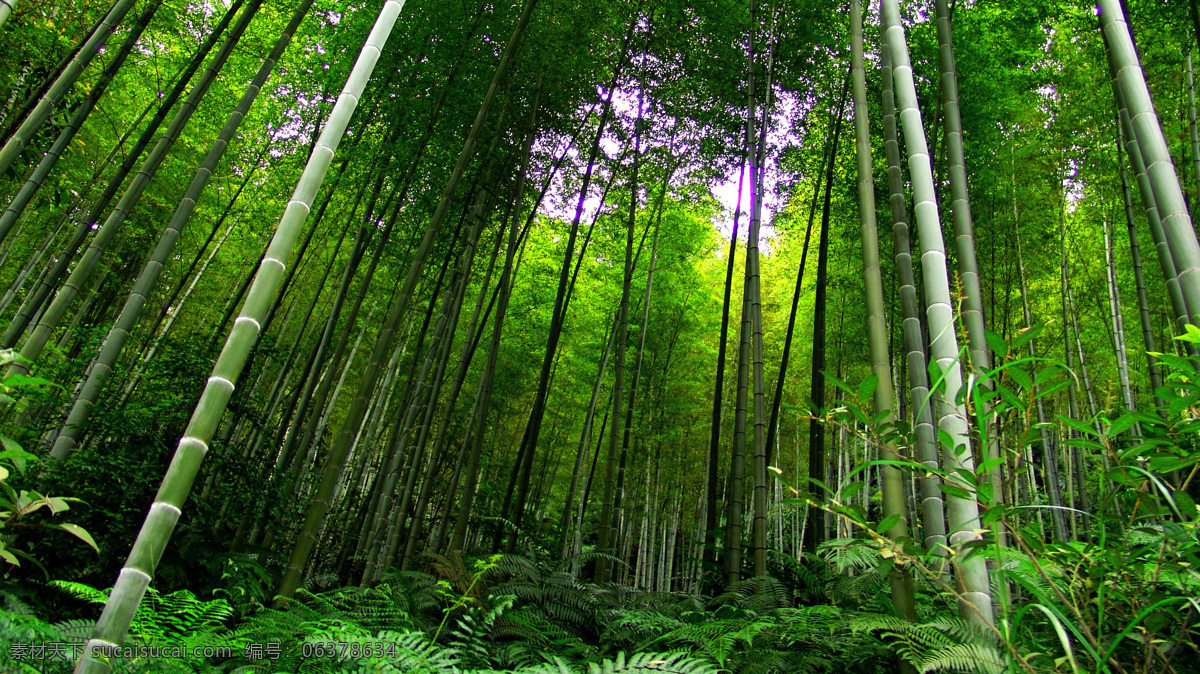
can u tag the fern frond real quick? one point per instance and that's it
(972, 658)
(13, 604)
(75, 631)
(675, 663)
(81, 591)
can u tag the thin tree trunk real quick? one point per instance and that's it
(27, 269)
(893, 480)
(99, 245)
(34, 183)
(164, 513)
(114, 342)
(1080, 481)
(712, 499)
(567, 520)
(529, 441)
(964, 249)
(312, 429)
(337, 454)
(735, 499)
(1093, 406)
(168, 304)
(62, 85)
(1157, 233)
(1193, 126)
(607, 534)
(381, 541)
(483, 397)
(1135, 255)
(1118, 320)
(781, 377)
(474, 330)
(816, 429)
(754, 287)
(454, 310)
(35, 301)
(643, 326)
(1049, 460)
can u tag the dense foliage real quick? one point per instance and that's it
(599, 336)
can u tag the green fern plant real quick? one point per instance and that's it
(162, 617)
(944, 644)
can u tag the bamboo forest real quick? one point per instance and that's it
(599, 336)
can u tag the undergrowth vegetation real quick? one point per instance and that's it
(508, 613)
(1121, 598)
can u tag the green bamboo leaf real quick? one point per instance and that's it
(997, 344)
(957, 492)
(866, 387)
(78, 532)
(937, 378)
(832, 379)
(1177, 363)
(945, 439)
(8, 556)
(1187, 506)
(1021, 377)
(1191, 334)
(1077, 426)
(1010, 397)
(888, 522)
(851, 489)
(1049, 390)
(24, 381)
(1167, 393)
(1120, 424)
(1024, 336)
(992, 514)
(1046, 374)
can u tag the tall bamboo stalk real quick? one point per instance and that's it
(34, 183)
(735, 500)
(933, 507)
(815, 534)
(114, 342)
(1076, 462)
(1193, 126)
(877, 333)
(62, 84)
(473, 443)
(139, 568)
(54, 313)
(754, 287)
(976, 599)
(614, 468)
(1050, 481)
(712, 486)
(964, 242)
(567, 519)
(1160, 168)
(1118, 320)
(335, 461)
(35, 300)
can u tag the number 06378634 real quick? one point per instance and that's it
(342, 650)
